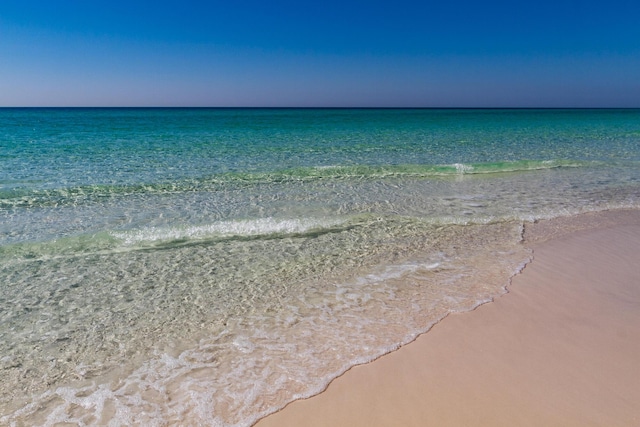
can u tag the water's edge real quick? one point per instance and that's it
(533, 233)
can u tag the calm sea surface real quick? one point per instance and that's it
(211, 265)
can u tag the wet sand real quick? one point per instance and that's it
(562, 348)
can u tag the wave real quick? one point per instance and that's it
(261, 227)
(342, 172)
(13, 197)
(174, 236)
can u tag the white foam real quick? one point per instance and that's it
(461, 168)
(254, 227)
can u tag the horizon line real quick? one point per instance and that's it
(311, 107)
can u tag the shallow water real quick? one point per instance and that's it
(212, 265)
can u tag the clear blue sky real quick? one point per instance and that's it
(325, 53)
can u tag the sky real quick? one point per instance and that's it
(348, 53)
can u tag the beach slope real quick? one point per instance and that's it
(560, 349)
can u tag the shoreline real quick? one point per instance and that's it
(559, 348)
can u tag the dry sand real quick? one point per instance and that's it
(562, 348)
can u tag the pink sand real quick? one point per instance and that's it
(562, 348)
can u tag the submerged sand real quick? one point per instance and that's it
(562, 348)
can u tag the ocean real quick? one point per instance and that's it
(209, 266)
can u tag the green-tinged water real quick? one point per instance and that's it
(207, 266)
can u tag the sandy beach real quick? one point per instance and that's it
(560, 349)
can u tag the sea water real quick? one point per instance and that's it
(208, 266)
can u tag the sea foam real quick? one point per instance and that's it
(240, 228)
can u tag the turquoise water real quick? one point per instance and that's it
(212, 265)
